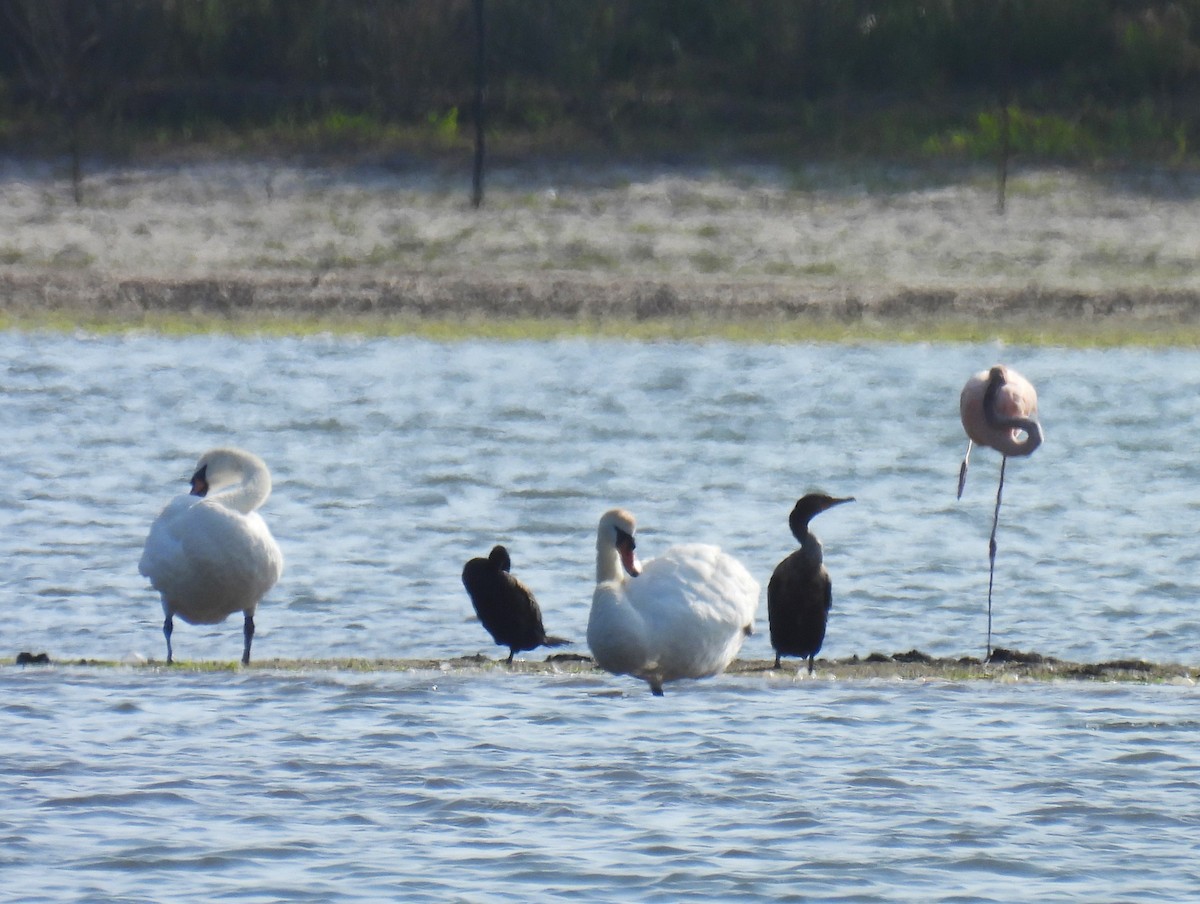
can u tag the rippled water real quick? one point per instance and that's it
(395, 460)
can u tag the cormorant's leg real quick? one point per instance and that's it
(248, 633)
(656, 688)
(168, 627)
(811, 657)
(776, 660)
(511, 653)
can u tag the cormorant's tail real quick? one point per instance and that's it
(556, 642)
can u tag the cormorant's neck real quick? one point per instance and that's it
(810, 546)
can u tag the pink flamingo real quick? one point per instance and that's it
(998, 409)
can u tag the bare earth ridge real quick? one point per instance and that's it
(576, 298)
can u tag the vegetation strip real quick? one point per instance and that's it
(464, 306)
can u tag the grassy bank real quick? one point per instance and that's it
(463, 306)
(1059, 334)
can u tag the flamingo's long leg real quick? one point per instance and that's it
(962, 471)
(992, 554)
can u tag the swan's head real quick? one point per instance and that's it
(500, 559)
(225, 467)
(616, 531)
(200, 481)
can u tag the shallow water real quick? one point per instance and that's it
(259, 786)
(395, 460)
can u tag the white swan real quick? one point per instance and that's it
(684, 615)
(209, 553)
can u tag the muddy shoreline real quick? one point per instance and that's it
(1005, 667)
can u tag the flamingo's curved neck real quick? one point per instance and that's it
(1000, 421)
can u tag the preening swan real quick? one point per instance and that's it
(800, 594)
(505, 606)
(209, 553)
(998, 408)
(685, 615)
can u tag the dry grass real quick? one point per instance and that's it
(753, 252)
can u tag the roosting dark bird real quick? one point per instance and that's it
(505, 606)
(800, 594)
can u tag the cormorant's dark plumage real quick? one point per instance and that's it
(800, 594)
(505, 606)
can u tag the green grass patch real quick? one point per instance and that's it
(1069, 334)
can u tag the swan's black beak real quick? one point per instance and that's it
(625, 548)
(200, 482)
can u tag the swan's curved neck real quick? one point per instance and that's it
(608, 563)
(247, 495)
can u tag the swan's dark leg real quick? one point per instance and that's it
(248, 633)
(992, 554)
(168, 627)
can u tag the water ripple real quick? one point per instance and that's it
(395, 460)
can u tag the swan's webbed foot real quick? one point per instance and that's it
(248, 634)
(168, 627)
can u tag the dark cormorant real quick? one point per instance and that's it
(800, 593)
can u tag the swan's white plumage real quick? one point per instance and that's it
(211, 556)
(208, 561)
(684, 616)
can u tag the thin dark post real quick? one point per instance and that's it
(480, 97)
(72, 75)
(1005, 101)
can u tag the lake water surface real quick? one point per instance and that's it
(395, 460)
